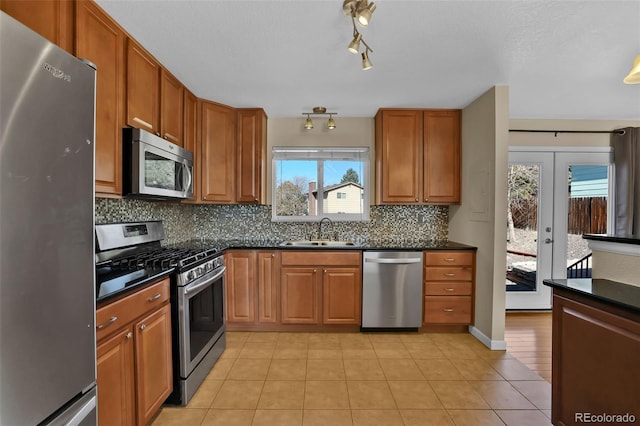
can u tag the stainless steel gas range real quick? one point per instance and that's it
(130, 254)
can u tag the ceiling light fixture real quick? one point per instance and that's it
(634, 74)
(360, 10)
(331, 123)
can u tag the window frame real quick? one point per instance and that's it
(321, 154)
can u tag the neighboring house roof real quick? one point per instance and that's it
(337, 186)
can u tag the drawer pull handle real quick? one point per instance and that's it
(449, 274)
(107, 324)
(447, 310)
(449, 289)
(155, 297)
(449, 259)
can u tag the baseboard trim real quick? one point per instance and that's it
(494, 345)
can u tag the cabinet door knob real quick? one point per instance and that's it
(325, 271)
(143, 326)
(255, 199)
(417, 200)
(273, 255)
(314, 271)
(107, 324)
(129, 335)
(157, 133)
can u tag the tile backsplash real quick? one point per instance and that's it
(253, 222)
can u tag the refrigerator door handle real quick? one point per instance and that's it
(83, 412)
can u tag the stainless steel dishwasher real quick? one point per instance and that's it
(392, 290)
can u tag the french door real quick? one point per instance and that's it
(554, 198)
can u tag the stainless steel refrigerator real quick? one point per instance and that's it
(47, 302)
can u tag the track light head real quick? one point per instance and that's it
(331, 124)
(354, 46)
(364, 12)
(308, 124)
(366, 63)
(634, 74)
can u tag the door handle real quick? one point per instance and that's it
(548, 241)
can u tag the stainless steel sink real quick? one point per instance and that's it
(317, 243)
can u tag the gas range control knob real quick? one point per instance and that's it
(208, 267)
(199, 271)
(190, 275)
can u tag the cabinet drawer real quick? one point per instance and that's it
(449, 258)
(441, 273)
(320, 257)
(447, 289)
(447, 309)
(113, 316)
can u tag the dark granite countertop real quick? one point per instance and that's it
(368, 245)
(108, 286)
(619, 294)
(611, 238)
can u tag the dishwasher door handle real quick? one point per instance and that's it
(394, 261)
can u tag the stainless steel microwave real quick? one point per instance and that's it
(154, 167)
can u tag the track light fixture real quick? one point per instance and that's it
(634, 74)
(308, 123)
(360, 10)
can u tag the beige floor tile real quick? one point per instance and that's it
(363, 369)
(523, 418)
(538, 392)
(376, 418)
(221, 369)
(294, 338)
(242, 394)
(237, 336)
(416, 338)
(475, 418)
(327, 418)
(231, 353)
(438, 369)
(205, 394)
(458, 395)
(424, 351)
(326, 394)
(476, 369)
(354, 343)
(170, 416)
(460, 352)
(398, 352)
(277, 418)
(383, 337)
(287, 369)
(414, 395)
(370, 395)
(234, 344)
(263, 336)
(290, 353)
(486, 353)
(400, 369)
(257, 350)
(513, 369)
(249, 369)
(216, 417)
(292, 344)
(324, 341)
(359, 354)
(325, 369)
(501, 395)
(426, 418)
(324, 354)
(283, 395)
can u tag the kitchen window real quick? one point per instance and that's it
(312, 183)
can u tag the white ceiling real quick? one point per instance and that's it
(560, 59)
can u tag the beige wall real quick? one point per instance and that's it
(624, 268)
(565, 139)
(349, 132)
(481, 220)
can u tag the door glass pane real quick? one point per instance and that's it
(587, 191)
(522, 227)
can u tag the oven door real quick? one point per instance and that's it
(200, 318)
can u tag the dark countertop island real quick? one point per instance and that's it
(618, 294)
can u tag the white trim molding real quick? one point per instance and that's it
(494, 345)
(518, 148)
(615, 247)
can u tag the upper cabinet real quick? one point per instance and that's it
(417, 156)
(100, 40)
(251, 153)
(218, 152)
(52, 19)
(154, 96)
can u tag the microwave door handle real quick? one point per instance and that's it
(186, 177)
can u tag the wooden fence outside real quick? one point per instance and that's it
(586, 215)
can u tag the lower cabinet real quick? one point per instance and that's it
(134, 363)
(273, 289)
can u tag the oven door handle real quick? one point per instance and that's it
(197, 287)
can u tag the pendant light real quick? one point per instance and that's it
(308, 123)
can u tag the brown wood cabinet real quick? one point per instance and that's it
(321, 282)
(595, 359)
(251, 155)
(218, 152)
(268, 286)
(240, 283)
(171, 108)
(100, 40)
(449, 287)
(417, 156)
(52, 19)
(191, 139)
(143, 87)
(133, 336)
